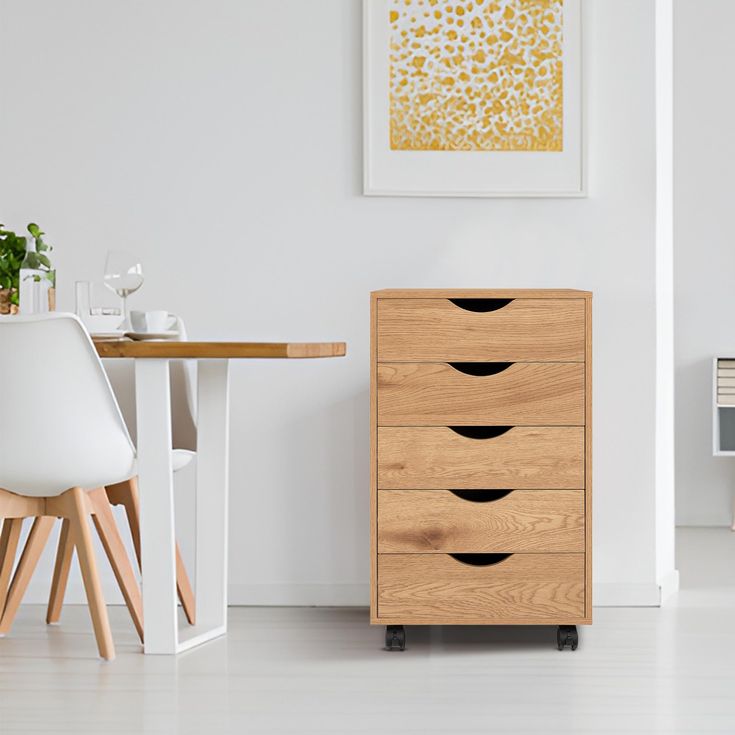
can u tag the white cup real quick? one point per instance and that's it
(151, 321)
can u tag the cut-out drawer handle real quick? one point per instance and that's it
(480, 560)
(481, 496)
(480, 432)
(480, 369)
(481, 305)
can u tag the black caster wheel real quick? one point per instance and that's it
(395, 638)
(566, 635)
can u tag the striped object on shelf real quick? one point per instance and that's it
(726, 382)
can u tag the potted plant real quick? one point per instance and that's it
(13, 254)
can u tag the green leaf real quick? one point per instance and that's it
(31, 261)
(13, 254)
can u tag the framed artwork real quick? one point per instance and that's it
(473, 98)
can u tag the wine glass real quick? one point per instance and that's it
(123, 275)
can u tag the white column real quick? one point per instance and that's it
(666, 572)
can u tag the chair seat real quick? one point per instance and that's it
(180, 458)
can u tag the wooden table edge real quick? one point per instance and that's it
(218, 350)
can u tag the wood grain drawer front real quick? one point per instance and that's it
(412, 521)
(521, 458)
(441, 394)
(522, 587)
(437, 330)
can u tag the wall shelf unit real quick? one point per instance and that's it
(723, 406)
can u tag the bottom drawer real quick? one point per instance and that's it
(480, 587)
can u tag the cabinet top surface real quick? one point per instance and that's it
(481, 293)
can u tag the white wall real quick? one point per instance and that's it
(222, 142)
(705, 250)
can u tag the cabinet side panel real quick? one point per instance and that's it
(588, 458)
(373, 459)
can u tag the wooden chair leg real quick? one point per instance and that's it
(183, 587)
(81, 534)
(64, 554)
(8, 546)
(115, 549)
(35, 545)
(126, 494)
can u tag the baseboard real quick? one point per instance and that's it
(604, 594)
(622, 594)
(38, 592)
(668, 586)
(300, 595)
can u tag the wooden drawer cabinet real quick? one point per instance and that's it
(481, 458)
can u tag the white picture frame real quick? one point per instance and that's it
(440, 173)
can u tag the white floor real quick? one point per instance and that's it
(309, 670)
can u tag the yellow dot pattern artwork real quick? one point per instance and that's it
(476, 75)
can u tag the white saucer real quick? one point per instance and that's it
(169, 334)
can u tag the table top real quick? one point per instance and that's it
(218, 350)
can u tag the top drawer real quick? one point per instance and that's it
(467, 330)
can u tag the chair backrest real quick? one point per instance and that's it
(121, 374)
(62, 427)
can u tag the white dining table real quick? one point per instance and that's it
(162, 632)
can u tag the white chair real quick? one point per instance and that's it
(121, 375)
(64, 440)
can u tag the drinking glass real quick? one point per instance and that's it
(123, 275)
(82, 299)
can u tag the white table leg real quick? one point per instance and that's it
(155, 473)
(155, 478)
(213, 440)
